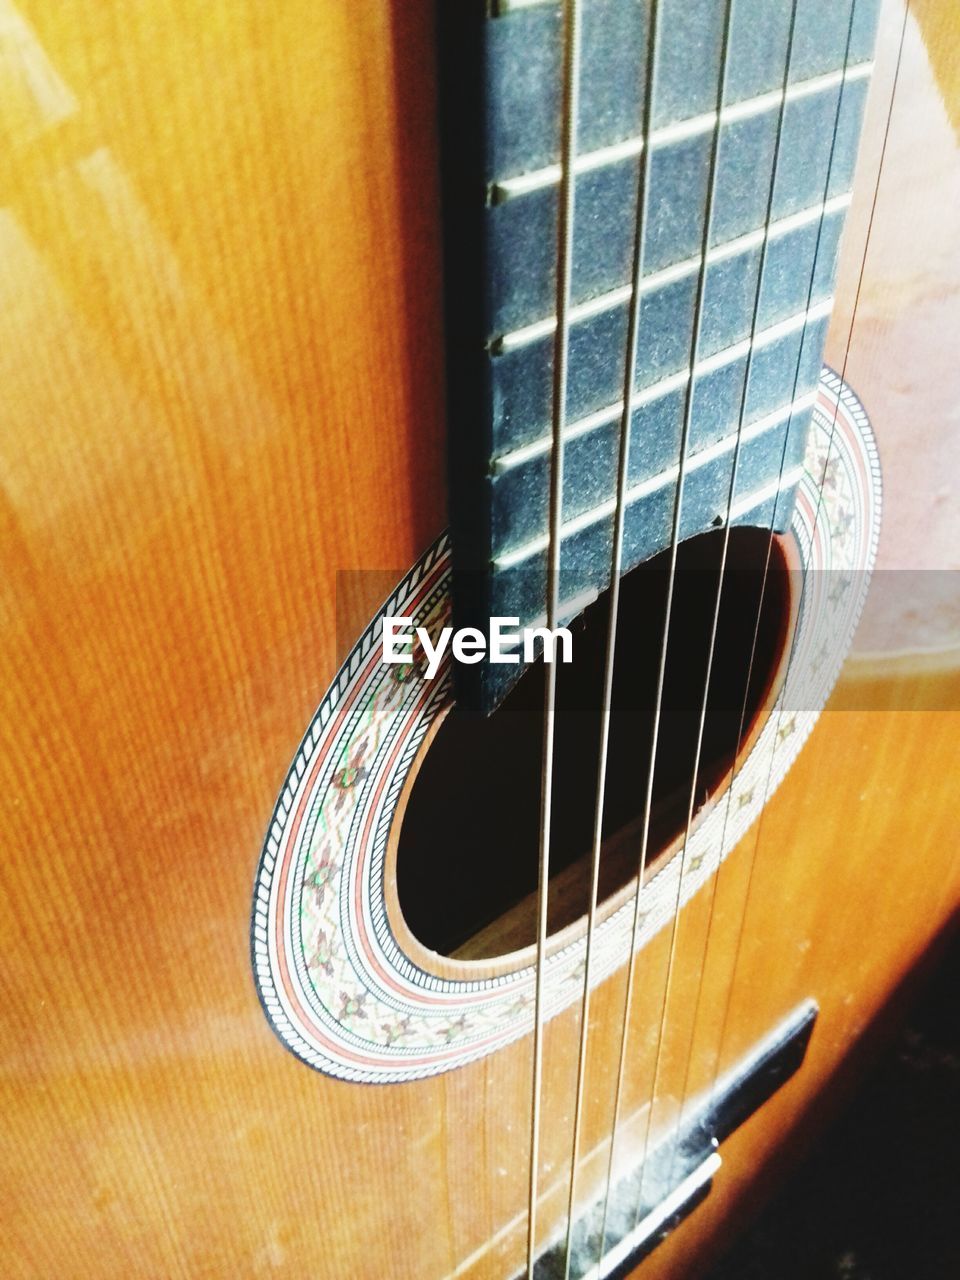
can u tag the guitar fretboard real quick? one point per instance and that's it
(502, 108)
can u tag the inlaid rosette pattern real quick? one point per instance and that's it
(334, 982)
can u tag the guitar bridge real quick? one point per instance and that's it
(650, 1201)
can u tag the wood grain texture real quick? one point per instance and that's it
(220, 382)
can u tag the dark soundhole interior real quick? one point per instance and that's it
(468, 846)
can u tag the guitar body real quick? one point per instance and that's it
(222, 382)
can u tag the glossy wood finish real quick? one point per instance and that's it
(219, 349)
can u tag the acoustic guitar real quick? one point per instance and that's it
(481, 650)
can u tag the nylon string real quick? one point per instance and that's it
(668, 608)
(616, 564)
(688, 415)
(744, 399)
(571, 95)
(756, 844)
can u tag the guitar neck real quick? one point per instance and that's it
(729, 350)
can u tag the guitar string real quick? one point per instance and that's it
(565, 232)
(616, 564)
(698, 321)
(668, 608)
(760, 822)
(863, 261)
(688, 416)
(741, 729)
(724, 552)
(554, 570)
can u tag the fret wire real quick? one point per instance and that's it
(573, 606)
(645, 488)
(500, 8)
(506, 189)
(663, 386)
(780, 484)
(602, 418)
(604, 302)
(508, 558)
(565, 233)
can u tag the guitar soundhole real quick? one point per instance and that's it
(468, 846)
